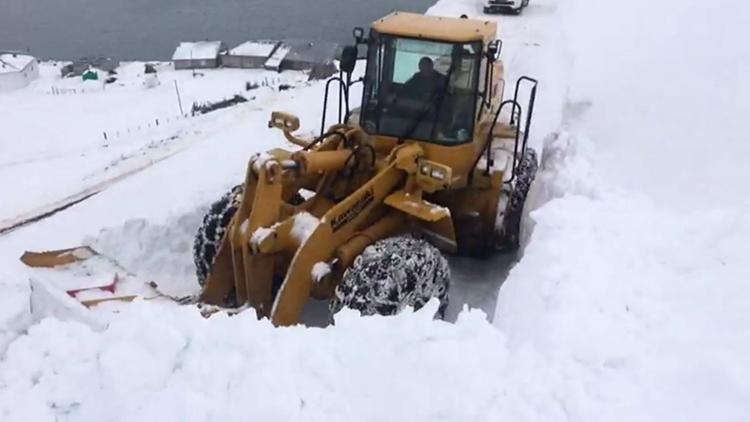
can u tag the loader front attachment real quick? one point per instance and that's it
(270, 241)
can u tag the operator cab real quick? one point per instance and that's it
(422, 80)
(421, 89)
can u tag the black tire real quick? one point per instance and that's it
(211, 232)
(215, 223)
(510, 234)
(392, 274)
(472, 237)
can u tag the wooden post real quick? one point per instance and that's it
(179, 101)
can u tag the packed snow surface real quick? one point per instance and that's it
(187, 368)
(630, 300)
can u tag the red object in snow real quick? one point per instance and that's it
(107, 287)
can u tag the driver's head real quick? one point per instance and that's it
(426, 66)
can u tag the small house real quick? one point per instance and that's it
(197, 55)
(249, 55)
(17, 70)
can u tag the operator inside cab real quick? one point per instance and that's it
(425, 83)
(421, 89)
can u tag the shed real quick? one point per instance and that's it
(197, 55)
(17, 70)
(250, 54)
(82, 64)
(90, 75)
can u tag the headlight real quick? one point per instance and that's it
(438, 174)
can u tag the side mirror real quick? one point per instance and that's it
(348, 58)
(359, 35)
(283, 121)
(494, 49)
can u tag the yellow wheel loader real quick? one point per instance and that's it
(359, 214)
(434, 160)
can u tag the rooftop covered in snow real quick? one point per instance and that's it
(14, 62)
(198, 50)
(262, 48)
(310, 51)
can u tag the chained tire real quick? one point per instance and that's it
(392, 274)
(511, 231)
(211, 232)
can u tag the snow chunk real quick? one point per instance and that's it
(304, 224)
(260, 234)
(80, 253)
(244, 226)
(319, 271)
(261, 159)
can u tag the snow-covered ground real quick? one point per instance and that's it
(53, 132)
(631, 300)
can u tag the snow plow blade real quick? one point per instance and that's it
(55, 258)
(90, 295)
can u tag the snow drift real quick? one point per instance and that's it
(187, 368)
(634, 280)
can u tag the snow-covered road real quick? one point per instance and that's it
(631, 300)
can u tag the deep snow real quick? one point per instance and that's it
(630, 301)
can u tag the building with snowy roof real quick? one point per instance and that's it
(17, 70)
(304, 55)
(197, 55)
(249, 54)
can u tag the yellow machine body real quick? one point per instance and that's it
(362, 187)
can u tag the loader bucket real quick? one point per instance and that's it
(55, 258)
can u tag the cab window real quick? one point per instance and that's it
(421, 89)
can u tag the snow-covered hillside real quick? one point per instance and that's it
(631, 300)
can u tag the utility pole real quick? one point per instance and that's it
(179, 101)
(192, 64)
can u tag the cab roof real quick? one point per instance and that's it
(437, 28)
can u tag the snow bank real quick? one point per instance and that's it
(163, 252)
(187, 368)
(666, 88)
(633, 282)
(645, 308)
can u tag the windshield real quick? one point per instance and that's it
(420, 89)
